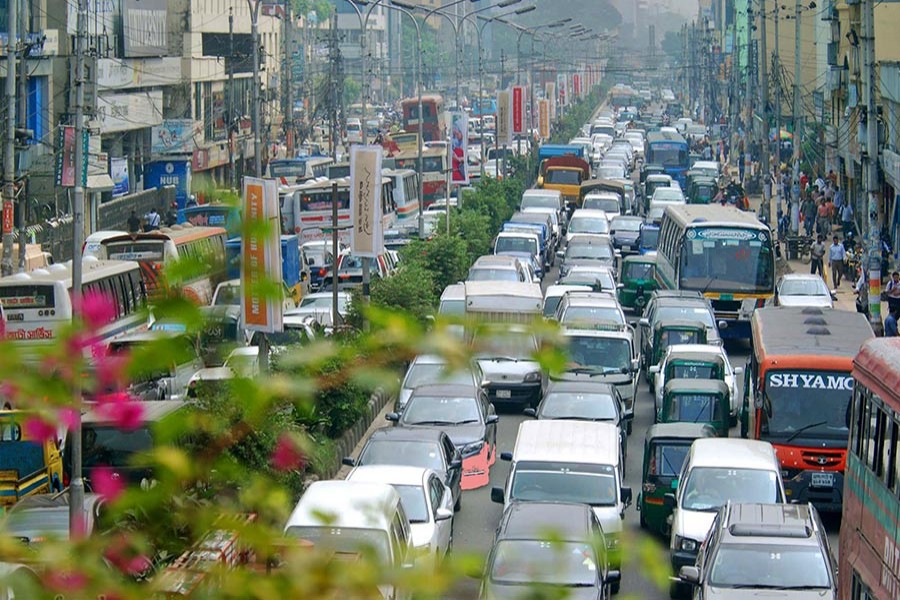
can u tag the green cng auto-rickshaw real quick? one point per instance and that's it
(667, 333)
(638, 281)
(702, 190)
(696, 401)
(665, 447)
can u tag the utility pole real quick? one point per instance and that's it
(762, 60)
(796, 107)
(22, 201)
(76, 488)
(870, 163)
(257, 141)
(334, 58)
(776, 62)
(288, 86)
(9, 159)
(231, 117)
(764, 92)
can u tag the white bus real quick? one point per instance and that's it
(406, 198)
(722, 252)
(38, 305)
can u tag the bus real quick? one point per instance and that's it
(433, 127)
(670, 151)
(722, 252)
(214, 214)
(306, 210)
(869, 554)
(38, 305)
(296, 170)
(406, 198)
(484, 106)
(434, 172)
(158, 249)
(798, 387)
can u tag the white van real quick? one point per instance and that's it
(354, 131)
(570, 461)
(717, 471)
(349, 516)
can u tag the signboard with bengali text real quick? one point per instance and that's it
(518, 110)
(504, 118)
(544, 119)
(367, 236)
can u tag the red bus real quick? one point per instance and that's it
(869, 556)
(798, 390)
(434, 172)
(433, 127)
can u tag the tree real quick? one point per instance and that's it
(322, 9)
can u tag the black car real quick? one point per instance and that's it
(523, 556)
(584, 401)
(624, 231)
(429, 448)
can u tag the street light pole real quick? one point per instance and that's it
(254, 35)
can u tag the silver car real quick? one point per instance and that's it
(805, 290)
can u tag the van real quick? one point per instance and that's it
(354, 131)
(350, 517)
(570, 461)
(717, 471)
(158, 381)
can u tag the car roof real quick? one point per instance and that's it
(597, 299)
(699, 386)
(589, 239)
(685, 431)
(495, 260)
(559, 290)
(407, 434)
(392, 474)
(751, 523)
(566, 521)
(443, 389)
(700, 352)
(801, 277)
(568, 441)
(57, 500)
(581, 386)
(733, 452)
(602, 333)
(152, 410)
(345, 504)
(589, 212)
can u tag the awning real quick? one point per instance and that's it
(99, 183)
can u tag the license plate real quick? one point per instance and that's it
(626, 248)
(504, 394)
(823, 480)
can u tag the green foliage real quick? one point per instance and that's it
(443, 256)
(475, 230)
(321, 8)
(410, 289)
(339, 401)
(352, 91)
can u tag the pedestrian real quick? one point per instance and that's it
(892, 291)
(832, 177)
(890, 324)
(808, 212)
(804, 181)
(847, 219)
(861, 289)
(836, 255)
(823, 220)
(134, 223)
(820, 184)
(151, 220)
(817, 254)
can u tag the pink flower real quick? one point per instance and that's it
(68, 417)
(97, 309)
(121, 554)
(37, 428)
(110, 372)
(287, 456)
(121, 409)
(107, 483)
(65, 581)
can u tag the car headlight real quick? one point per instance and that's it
(471, 449)
(533, 376)
(612, 542)
(685, 544)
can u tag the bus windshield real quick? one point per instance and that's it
(563, 177)
(668, 154)
(727, 260)
(145, 250)
(816, 400)
(320, 200)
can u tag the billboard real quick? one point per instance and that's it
(118, 172)
(504, 117)
(144, 28)
(176, 173)
(544, 119)
(459, 147)
(518, 110)
(561, 83)
(261, 257)
(366, 236)
(65, 157)
(174, 136)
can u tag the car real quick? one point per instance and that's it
(598, 279)
(498, 268)
(320, 307)
(590, 310)
(624, 231)
(648, 238)
(804, 290)
(671, 305)
(41, 517)
(554, 293)
(463, 414)
(608, 202)
(319, 258)
(587, 221)
(782, 549)
(507, 358)
(610, 170)
(427, 369)
(667, 195)
(521, 245)
(429, 448)
(428, 504)
(700, 361)
(242, 362)
(587, 250)
(523, 555)
(584, 401)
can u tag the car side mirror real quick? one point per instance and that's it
(644, 322)
(654, 369)
(635, 365)
(689, 574)
(442, 514)
(497, 495)
(491, 419)
(613, 577)
(738, 370)
(507, 456)
(529, 412)
(625, 495)
(392, 416)
(456, 463)
(620, 286)
(560, 254)
(722, 324)
(833, 295)
(349, 461)
(669, 501)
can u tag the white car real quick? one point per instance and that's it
(243, 362)
(430, 369)
(319, 306)
(801, 289)
(427, 501)
(731, 373)
(667, 195)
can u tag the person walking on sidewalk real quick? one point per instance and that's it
(892, 291)
(817, 254)
(823, 219)
(847, 219)
(808, 210)
(890, 324)
(836, 255)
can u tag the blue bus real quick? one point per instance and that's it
(484, 106)
(671, 152)
(214, 214)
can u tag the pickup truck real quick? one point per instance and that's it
(26, 466)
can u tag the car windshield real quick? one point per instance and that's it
(517, 244)
(540, 202)
(670, 337)
(639, 270)
(686, 313)
(803, 287)
(667, 458)
(806, 404)
(453, 307)
(727, 260)
(603, 353)
(649, 238)
(534, 561)
(564, 482)
(413, 499)
(563, 177)
(229, 295)
(667, 195)
(580, 224)
(694, 408)
(507, 345)
(579, 405)
(620, 224)
(344, 540)
(324, 302)
(592, 314)
(709, 488)
(113, 447)
(425, 373)
(691, 370)
(610, 205)
(399, 452)
(482, 274)
(440, 410)
(550, 305)
(609, 172)
(589, 251)
(769, 566)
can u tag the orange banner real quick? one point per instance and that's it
(255, 313)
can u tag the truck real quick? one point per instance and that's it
(550, 150)
(566, 174)
(294, 273)
(27, 466)
(504, 301)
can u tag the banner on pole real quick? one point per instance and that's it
(367, 235)
(459, 147)
(544, 119)
(261, 257)
(518, 110)
(504, 118)
(550, 93)
(561, 83)
(576, 85)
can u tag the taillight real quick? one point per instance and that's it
(322, 272)
(760, 302)
(66, 480)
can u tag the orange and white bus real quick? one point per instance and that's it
(157, 249)
(798, 390)
(435, 165)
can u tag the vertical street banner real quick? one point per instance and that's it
(261, 257)
(504, 118)
(367, 235)
(544, 119)
(65, 157)
(518, 110)
(576, 86)
(561, 84)
(550, 94)
(459, 147)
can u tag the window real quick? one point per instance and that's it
(859, 590)
(892, 469)
(436, 490)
